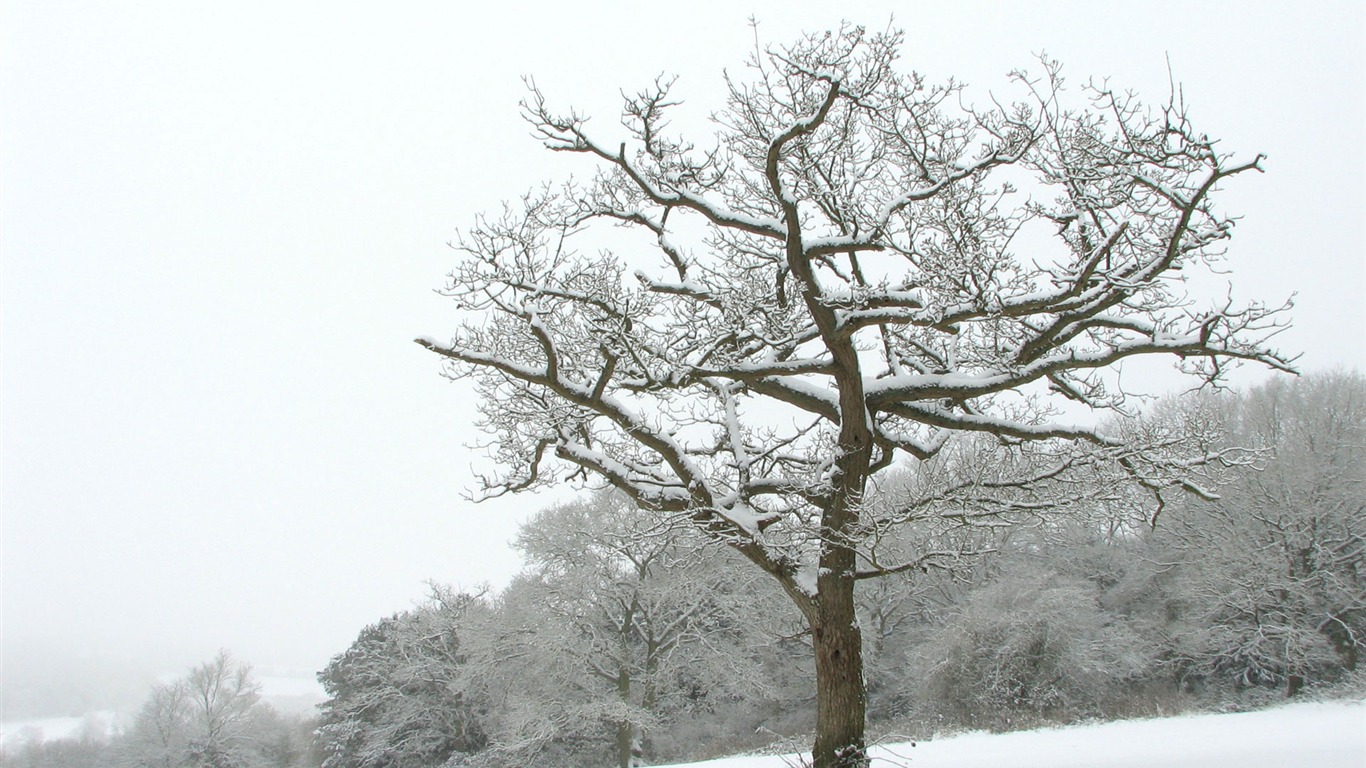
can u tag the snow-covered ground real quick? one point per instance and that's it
(1312, 735)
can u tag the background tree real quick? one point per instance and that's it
(1031, 644)
(92, 748)
(897, 613)
(847, 277)
(160, 735)
(400, 696)
(1269, 578)
(631, 602)
(617, 623)
(211, 718)
(221, 698)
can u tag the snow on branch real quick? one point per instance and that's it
(855, 269)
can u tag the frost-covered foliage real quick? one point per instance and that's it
(1030, 643)
(1270, 579)
(628, 622)
(620, 641)
(84, 751)
(625, 640)
(856, 267)
(401, 695)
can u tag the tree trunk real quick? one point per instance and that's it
(626, 731)
(841, 702)
(1293, 685)
(626, 745)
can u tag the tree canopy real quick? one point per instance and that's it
(857, 267)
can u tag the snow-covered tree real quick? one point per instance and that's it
(402, 696)
(222, 697)
(211, 718)
(160, 733)
(858, 269)
(86, 751)
(1270, 577)
(617, 623)
(1032, 642)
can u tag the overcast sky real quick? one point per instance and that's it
(221, 225)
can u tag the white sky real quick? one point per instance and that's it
(221, 225)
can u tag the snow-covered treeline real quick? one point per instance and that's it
(622, 636)
(629, 637)
(632, 638)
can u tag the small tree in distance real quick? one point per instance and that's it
(845, 281)
(211, 718)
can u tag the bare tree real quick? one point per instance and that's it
(851, 274)
(160, 734)
(221, 698)
(211, 718)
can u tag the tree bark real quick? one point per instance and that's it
(841, 701)
(626, 731)
(626, 743)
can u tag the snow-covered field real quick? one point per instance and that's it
(1313, 735)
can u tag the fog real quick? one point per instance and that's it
(222, 225)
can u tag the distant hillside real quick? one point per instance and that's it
(290, 693)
